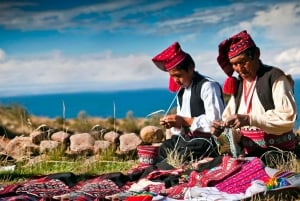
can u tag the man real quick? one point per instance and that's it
(262, 108)
(199, 102)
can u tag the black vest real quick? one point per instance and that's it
(266, 76)
(196, 103)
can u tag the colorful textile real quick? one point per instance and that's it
(241, 180)
(147, 154)
(177, 192)
(142, 197)
(254, 139)
(97, 188)
(218, 174)
(160, 173)
(239, 43)
(43, 187)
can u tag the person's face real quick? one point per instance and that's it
(182, 77)
(245, 66)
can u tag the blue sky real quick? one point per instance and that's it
(51, 46)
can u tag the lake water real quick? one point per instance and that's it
(104, 104)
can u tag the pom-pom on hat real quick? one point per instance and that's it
(170, 57)
(230, 86)
(173, 86)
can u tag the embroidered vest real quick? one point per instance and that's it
(266, 76)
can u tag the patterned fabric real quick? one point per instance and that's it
(159, 173)
(241, 180)
(215, 175)
(19, 198)
(147, 154)
(97, 188)
(170, 57)
(211, 177)
(177, 192)
(239, 43)
(43, 187)
(157, 188)
(254, 139)
(9, 189)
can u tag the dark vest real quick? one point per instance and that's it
(266, 76)
(196, 103)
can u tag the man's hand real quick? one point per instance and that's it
(237, 121)
(172, 120)
(217, 127)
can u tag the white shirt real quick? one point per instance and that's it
(213, 104)
(276, 121)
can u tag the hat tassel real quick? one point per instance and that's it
(230, 86)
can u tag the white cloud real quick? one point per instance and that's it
(289, 60)
(280, 22)
(289, 56)
(58, 72)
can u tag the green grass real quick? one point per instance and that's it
(57, 161)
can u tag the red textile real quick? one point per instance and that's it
(239, 43)
(147, 154)
(173, 86)
(255, 139)
(139, 198)
(230, 86)
(239, 182)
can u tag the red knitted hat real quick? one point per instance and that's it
(232, 47)
(228, 49)
(239, 43)
(170, 57)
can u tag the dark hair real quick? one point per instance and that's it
(250, 52)
(186, 63)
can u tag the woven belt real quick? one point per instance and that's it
(258, 138)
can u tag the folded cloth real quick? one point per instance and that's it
(241, 180)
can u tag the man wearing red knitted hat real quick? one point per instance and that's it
(199, 102)
(262, 108)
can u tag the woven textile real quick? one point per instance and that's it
(241, 180)
(44, 187)
(254, 139)
(147, 154)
